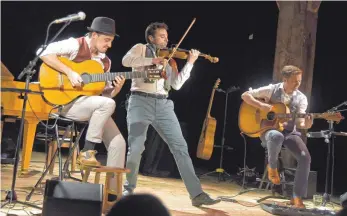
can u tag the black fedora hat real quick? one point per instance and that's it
(103, 25)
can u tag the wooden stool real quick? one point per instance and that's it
(110, 171)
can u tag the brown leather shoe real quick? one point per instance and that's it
(87, 158)
(273, 176)
(297, 202)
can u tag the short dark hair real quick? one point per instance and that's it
(290, 70)
(150, 30)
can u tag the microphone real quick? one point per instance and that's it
(319, 134)
(72, 17)
(338, 106)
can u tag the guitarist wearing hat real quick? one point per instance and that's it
(285, 92)
(95, 109)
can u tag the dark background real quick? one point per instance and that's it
(222, 29)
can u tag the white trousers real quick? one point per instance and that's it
(98, 110)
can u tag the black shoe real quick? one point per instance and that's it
(7, 157)
(126, 192)
(204, 199)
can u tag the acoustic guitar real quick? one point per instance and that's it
(206, 141)
(253, 121)
(58, 90)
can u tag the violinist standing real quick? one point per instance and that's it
(148, 105)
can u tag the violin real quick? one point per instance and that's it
(183, 54)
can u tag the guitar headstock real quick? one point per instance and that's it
(216, 84)
(333, 116)
(154, 73)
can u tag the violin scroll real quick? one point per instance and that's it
(211, 59)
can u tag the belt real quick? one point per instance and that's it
(157, 96)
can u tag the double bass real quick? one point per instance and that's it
(206, 141)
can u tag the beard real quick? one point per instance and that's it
(161, 46)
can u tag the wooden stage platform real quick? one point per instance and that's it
(172, 192)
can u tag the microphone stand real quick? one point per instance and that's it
(327, 134)
(11, 196)
(331, 134)
(220, 170)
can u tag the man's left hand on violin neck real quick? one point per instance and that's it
(193, 56)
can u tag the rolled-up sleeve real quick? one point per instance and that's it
(264, 92)
(134, 58)
(68, 47)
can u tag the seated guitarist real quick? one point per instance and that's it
(285, 92)
(95, 109)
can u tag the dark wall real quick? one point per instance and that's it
(222, 29)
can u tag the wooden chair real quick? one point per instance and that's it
(110, 171)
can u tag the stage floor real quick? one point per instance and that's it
(172, 192)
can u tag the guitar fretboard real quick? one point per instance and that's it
(112, 76)
(298, 115)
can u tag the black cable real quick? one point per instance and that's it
(242, 191)
(244, 160)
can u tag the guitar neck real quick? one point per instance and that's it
(300, 115)
(111, 76)
(210, 104)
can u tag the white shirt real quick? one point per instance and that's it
(265, 93)
(69, 48)
(136, 59)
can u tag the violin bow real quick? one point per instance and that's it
(175, 48)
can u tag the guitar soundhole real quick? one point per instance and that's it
(271, 116)
(86, 78)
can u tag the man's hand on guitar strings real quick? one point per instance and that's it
(75, 78)
(266, 107)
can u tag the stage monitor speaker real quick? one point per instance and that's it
(62, 198)
(311, 186)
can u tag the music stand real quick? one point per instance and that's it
(11, 196)
(220, 169)
(328, 136)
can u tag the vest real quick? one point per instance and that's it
(84, 54)
(151, 53)
(278, 97)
